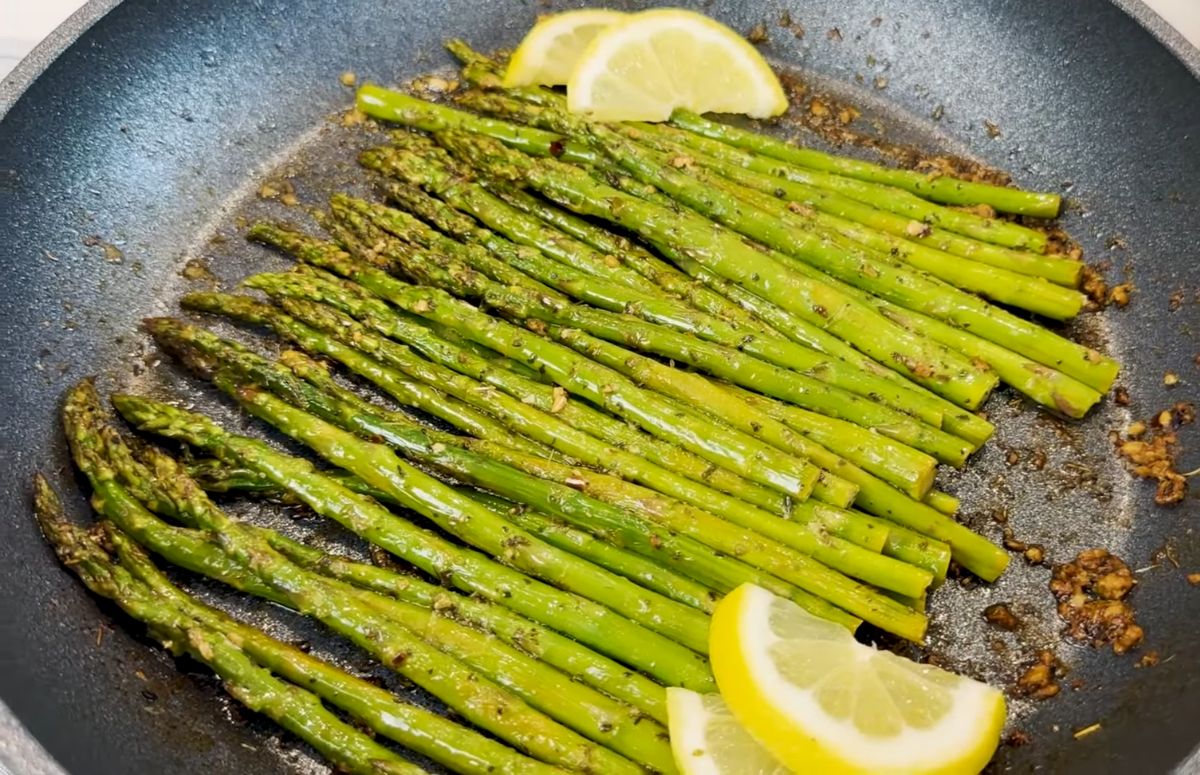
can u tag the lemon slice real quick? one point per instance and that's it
(653, 62)
(551, 49)
(707, 740)
(819, 701)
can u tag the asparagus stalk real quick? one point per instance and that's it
(487, 469)
(882, 278)
(903, 467)
(592, 624)
(975, 552)
(740, 348)
(1042, 384)
(293, 708)
(552, 418)
(1048, 387)
(563, 653)
(900, 542)
(547, 645)
(343, 610)
(746, 456)
(875, 496)
(379, 466)
(954, 419)
(415, 728)
(541, 686)
(943, 502)
(638, 569)
(453, 276)
(162, 483)
(922, 361)
(949, 190)
(727, 254)
(1055, 268)
(811, 207)
(775, 350)
(509, 376)
(652, 573)
(719, 534)
(552, 494)
(756, 170)
(967, 425)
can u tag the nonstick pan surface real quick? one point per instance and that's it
(140, 143)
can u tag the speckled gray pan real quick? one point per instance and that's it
(131, 141)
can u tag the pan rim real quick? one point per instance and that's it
(20, 751)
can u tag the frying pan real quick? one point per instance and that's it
(132, 138)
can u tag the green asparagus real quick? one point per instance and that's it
(295, 709)
(476, 698)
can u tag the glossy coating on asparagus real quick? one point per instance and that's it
(530, 408)
(483, 703)
(938, 188)
(297, 710)
(600, 385)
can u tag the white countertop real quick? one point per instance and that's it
(25, 22)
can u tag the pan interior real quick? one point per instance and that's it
(142, 148)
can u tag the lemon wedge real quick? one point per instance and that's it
(707, 740)
(552, 48)
(819, 701)
(653, 62)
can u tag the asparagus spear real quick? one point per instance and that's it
(505, 375)
(447, 273)
(725, 253)
(811, 207)
(453, 276)
(1055, 268)
(573, 615)
(965, 424)
(386, 628)
(652, 573)
(943, 502)
(293, 708)
(740, 348)
(773, 349)
(573, 704)
(954, 419)
(563, 653)
(1048, 387)
(901, 543)
(343, 610)
(725, 362)
(379, 466)
(602, 386)
(974, 552)
(937, 188)
(728, 254)
(883, 198)
(487, 469)
(417, 729)
(542, 421)
(929, 407)
(484, 469)
(842, 260)
(547, 645)
(191, 550)
(822, 190)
